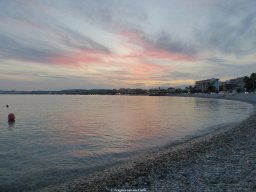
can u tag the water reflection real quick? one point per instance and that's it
(11, 125)
(118, 124)
(78, 132)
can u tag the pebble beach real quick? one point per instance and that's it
(223, 160)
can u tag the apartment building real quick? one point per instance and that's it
(205, 85)
(234, 84)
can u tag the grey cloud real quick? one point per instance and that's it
(231, 70)
(76, 40)
(223, 70)
(181, 74)
(216, 60)
(175, 45)
(11, 48)
(231, 28)
(39, 37)
(37, 75)
(110, 13)
(169, 76)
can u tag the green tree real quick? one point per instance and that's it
(253, 80)
(211, 89)
(248, 83)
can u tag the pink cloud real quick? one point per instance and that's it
(76, 58)
(147, 69)
(151, 49)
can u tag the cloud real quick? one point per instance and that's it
(168, 43)
(123, 43)
(80, 51)
(42, 40)
(162, 48)
(217, 60)
(14, 49)
(227, 70)
(231, 28)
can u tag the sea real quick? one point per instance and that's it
(58, 138)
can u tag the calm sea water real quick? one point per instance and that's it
(56, 138)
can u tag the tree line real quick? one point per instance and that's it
(250, 82)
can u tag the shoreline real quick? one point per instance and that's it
(249, 98)
(198, 164)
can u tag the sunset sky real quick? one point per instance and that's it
(66, 44)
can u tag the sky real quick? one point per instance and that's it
(64, 44)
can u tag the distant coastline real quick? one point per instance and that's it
(83, 92)
(238, 85)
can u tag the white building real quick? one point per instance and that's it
(236, 84)
(204, 85)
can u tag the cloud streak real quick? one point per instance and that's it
(124, 43)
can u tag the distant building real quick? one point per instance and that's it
(205, 85)
(236, 84)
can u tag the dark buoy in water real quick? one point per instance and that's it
(11, 117)
(7, 106)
